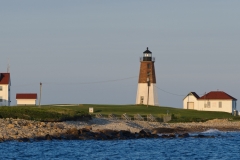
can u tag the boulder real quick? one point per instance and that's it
(48, 137)
(100, 136)
(88, 127)
(108, 132)
(10, 126)
(163, 130)
(144, 133)
(58, 126)
(83, 131)
(23, 140)
(171, 136)
(184, 135)
(73, 131)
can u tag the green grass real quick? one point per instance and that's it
(74, 112)
(44, 113)
(178, 115)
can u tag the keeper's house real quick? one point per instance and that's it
(212, 101)
(26, 98)
(5, 83)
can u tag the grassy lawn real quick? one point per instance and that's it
(74, 112)
(44, 113)
(178, 115)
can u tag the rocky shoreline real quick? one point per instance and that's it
(105, 129)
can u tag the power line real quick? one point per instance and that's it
(170, 92)
(79, 83)
(175, 93)
(106, 81)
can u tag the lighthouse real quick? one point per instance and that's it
(147, 89)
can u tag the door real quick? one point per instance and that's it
(141, 99)
(190, 105)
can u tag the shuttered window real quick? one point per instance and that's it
(220, 104)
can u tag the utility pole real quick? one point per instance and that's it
(39, 101)
(8, 67)
(148, 83)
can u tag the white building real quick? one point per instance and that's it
(212, 101)
(5, 91)
(147, 89)
(26, 98)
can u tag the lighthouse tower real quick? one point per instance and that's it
(147, 91)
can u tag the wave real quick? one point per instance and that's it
(211, 131)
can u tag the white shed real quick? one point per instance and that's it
(191, 101)
(26, 98)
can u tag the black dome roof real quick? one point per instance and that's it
(147, 51)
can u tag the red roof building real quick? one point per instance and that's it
(4, 78)
(5, 83)
(26, 98)
(216, 95)
(212, 101)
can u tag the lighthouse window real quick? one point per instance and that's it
(148, 65)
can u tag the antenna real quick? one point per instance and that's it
(8, 66)
(39, 101)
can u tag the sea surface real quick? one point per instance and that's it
(225, 145)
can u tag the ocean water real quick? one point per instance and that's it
(225, 145)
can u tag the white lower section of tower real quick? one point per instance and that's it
(142, 94)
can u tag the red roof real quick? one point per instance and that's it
(217, 95)
(4, 78)
(26, 96)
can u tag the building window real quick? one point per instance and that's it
(149, 66)
(1, 99)
(208, 104)
(220, 104)
(1, 88)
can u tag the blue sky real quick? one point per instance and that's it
(65, 43)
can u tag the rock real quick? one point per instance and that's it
(10, 126)
(88, 127)
(172, 136)
(73, 131)
(48, 137)
(145, 133)
(163, 130)
(42, 124)
(83, 130)
(164, 136)
(58, 126)
(15, 122)
(201, 136)
(23, 140)
(184, 135)
(100, 136)
(39, 138)
(49, 124)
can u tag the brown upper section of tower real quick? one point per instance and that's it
(147, 70)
